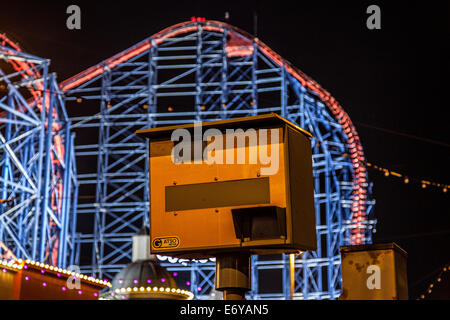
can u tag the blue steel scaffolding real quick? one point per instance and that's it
(38, 188)
(203, 71)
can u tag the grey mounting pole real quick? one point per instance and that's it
(233, 275)
(141, 246)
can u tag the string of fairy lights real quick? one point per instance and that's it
(391, 173)
(435, 282)
(407, 179)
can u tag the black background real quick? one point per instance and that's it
(393, 78)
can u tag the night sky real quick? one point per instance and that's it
(390, 81)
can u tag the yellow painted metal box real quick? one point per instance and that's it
(374, 272)
(243, 184)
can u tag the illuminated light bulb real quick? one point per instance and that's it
(431, 285)
(122, 290)
(386, 173)
(116, 291)
(135, 289)
(41, 265)
(178, 290)
(439, 279)
(95, 294)
(46, 266)
(27, 261)
(155, 288)
(424, 185)
(148, 288)
(44, 284)
(63, 288)
(445, 190)
(51, 268)
(42, 271)
(141, 289)
(58, 274)
(27, 278)
(80, 292)
(149, 281)
(163, 280)
(173, 290)
(161, 289)
(79, 100)
(170, 109)
(128, 289)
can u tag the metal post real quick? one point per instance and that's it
(40, 164)
(233, 275)
(45, 203)
(292, 275)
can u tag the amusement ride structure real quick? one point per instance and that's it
(200, 70)
(37, 163)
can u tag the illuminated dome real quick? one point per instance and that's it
(144, 278)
